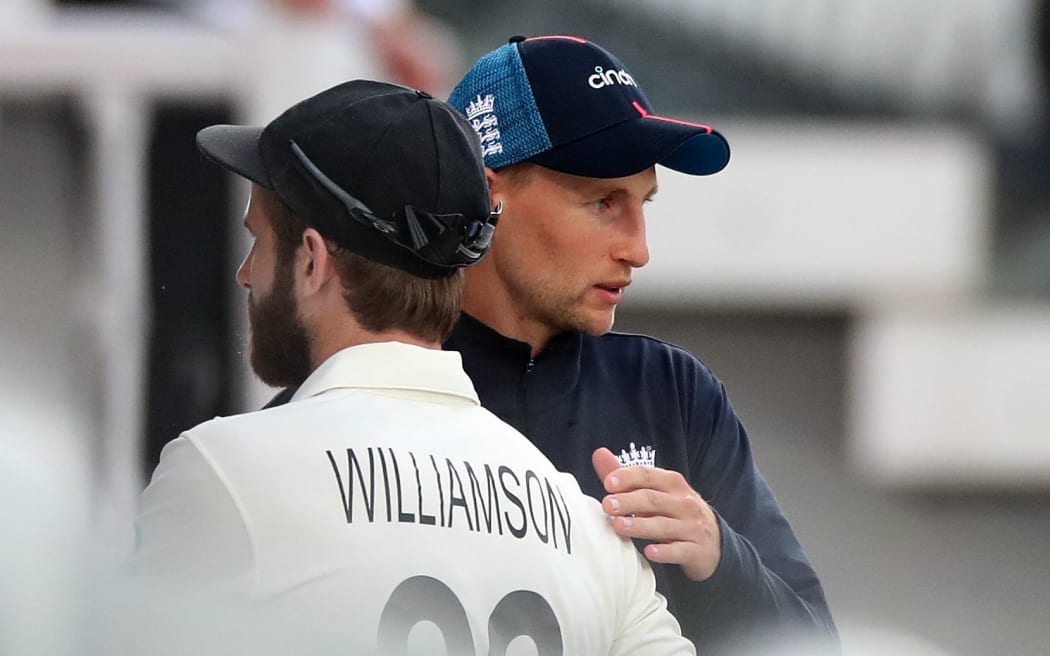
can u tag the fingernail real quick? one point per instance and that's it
(614, 481)
(627, 522)
(614, 503)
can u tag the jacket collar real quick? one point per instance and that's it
(470, 329)
(497, 364)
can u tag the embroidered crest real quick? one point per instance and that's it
(635, 457)
(481, 114)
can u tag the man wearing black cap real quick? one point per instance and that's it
(382, 495)
(570, 144)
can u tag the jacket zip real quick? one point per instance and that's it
(527, 428)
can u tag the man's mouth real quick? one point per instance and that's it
(612, 291)
(614, 286)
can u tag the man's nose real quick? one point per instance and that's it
(633, 247)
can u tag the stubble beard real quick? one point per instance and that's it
(562, 312)
(279, 349)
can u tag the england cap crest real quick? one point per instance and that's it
(567, 104)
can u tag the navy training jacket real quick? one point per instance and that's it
(635, 392)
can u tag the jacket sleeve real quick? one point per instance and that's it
(763, 580)
(189, 528)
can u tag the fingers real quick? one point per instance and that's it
(663, 529)
(659, 505)
(604, 463)
(694, 545)
(698, 564)
(650, 478)
(652, 504)
(617, 478)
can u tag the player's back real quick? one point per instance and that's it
(409, 522)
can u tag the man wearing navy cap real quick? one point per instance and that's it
(571, 144)
(382, 497)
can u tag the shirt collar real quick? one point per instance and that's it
(471, 329)
(501, 366)
(391, 367)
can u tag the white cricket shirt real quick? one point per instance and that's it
(385, 503)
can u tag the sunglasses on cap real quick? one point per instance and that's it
(445, 240)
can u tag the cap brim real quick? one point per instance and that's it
(235, 147)
(634, 145)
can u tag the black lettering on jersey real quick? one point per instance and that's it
(386, 482)
(402, 516)
(516, 532)
(454, 499)
(441, 492)
(423, 517)
(489, 507)
(540, 507)
(347, 491)
(542, 528)
(564, 518)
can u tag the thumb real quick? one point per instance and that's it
(604, 463)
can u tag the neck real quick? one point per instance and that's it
(332, 328)
(486, 301)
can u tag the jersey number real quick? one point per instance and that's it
(423, 598)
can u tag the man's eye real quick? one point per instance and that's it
(603, 204)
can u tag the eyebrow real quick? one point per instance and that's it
(625, 190)
(604, 187)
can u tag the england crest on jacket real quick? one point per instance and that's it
(637, 457)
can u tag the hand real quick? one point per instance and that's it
(659, 505)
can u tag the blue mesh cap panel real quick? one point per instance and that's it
(496, 98)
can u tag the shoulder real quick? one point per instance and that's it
(627, 346)
(666, 380)
(650, 357)
(269, 420)
(224, 443)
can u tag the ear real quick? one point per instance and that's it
(314, 262)
(496, 185)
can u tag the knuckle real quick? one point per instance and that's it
(694, 505)
(647, 474)
(677, 479)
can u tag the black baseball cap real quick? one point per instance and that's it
(385, 171)
(568, 104)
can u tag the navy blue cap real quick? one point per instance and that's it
(568, 104)
(385, 171)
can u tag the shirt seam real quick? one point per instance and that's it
(253, 569)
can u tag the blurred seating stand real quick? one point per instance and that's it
(892, 222)
(874, 219)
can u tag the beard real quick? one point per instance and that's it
(557, 306)
(279, 349)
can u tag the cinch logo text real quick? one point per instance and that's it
(603, 78)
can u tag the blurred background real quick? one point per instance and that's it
(870, 276)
